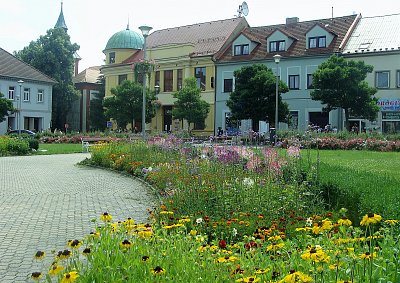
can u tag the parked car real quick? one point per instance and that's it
(22, 132)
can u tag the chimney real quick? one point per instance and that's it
(292, 20)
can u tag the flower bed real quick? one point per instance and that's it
(352, 144)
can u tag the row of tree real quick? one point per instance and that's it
(338, 83)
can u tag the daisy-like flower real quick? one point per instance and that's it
(157, 270)
(145, 258)
(55, 269)
(248, 182)
(275, 246)
(193, 232)
(315, 254)
(296, 277)
(75, 244)
(261, 271)
(391, 222)
(344, 221)
(86, 251)
(36, 275)
(368, 256)
(227, 259)
(40, 255)
(106, 217)
(126, 244)
(166, 212)
(65, 254)
(249, 279)
(70, 277)
(370, 218)
(309, 221)
(199, 220)
(145, 234)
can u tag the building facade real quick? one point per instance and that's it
(29, 90)
(303, 47)
(177, 53)
(376, 41)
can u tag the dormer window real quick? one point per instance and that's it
(112, 58)
(275, 46)
(317, 42)
(242, 49)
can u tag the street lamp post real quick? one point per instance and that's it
(157, 90)
(20, 82)
(145, 32)
(277, 58)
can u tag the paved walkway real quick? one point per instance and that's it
(47, 200)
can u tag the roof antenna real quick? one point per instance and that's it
(127, 26)
(332, 13)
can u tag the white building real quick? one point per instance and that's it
(29, 90)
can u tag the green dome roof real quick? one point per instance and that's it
(125, 39)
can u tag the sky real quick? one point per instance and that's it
(92, 22)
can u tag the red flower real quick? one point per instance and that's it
(250, 245)
(222, 244)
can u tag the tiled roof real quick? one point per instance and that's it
(375, 34)
(337, 26)
(12, 67)
(207, 38)
(89, 75)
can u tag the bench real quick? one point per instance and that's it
(89, 141)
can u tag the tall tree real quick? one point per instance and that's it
(97, 116)
(6, 107)
(125, 106)
(255, 95)
(189, 105)
(52, 54)
(340, 83)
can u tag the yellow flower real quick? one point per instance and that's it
(295, 277)
(75, 244)
(275, 246)
(391, 221)
(184, 220)
(126, 244)
(368, 255)
(69, 277)
(166, 212)
(145, 234)
(370, 218)
(86, 251)
(65, 254)
(55, 269)
(344, 221)
(275, 238)
(36, 276)
(106, 217)
(157, 270)
(193, 232)
(40, 255)
(249, 279)
(262, 271)
(227, 259)
(315, 254)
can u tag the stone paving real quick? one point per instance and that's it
(47, 200)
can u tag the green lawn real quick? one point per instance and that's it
(362, 181)
(59, 148)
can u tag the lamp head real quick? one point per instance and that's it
(20, 82)
(145, 30)
(157, 88)
(277, 58)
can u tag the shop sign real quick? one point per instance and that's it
(389, 104)
(391, 115)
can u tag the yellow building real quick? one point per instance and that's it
(178, 53)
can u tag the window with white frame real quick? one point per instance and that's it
(310, 81)
(294, 81)
(40, 95)
(317, 42)
(275, 46)
(382, 79)
(241, 49)
(27, 94)
(11, 92)
(200, 75)
(398, 78)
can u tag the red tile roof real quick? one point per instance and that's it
(338, 27)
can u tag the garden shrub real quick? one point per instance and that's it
(13, 146)
(33, 143)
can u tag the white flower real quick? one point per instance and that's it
(199, 220)
(248, 182)
(309, 221)
(234, 232)
(150, 169)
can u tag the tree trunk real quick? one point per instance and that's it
(347, 117)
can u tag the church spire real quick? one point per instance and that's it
(61, 22)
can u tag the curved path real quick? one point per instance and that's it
(46, 200)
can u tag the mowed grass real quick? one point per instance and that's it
(362, 181)
(58, 148)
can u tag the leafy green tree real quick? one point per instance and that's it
(125, 106)
(97, 116)
(255, 95)
(6, 107)
(340, 83)
(52, 54)
(189, 105)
